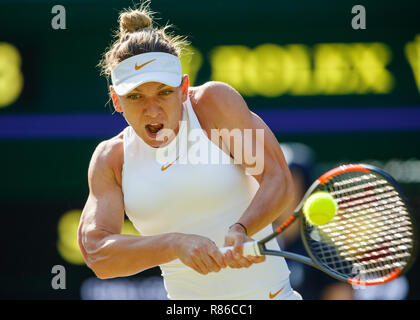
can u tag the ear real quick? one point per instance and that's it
(114, 98)
(184, 87)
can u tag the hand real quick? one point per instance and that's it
(236, 237)
(199, 253)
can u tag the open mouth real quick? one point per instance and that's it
(153, 128)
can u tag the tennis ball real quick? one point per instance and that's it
(320, 208)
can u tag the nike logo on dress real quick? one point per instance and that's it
(272, 296)
(167, 166)
(142, 65)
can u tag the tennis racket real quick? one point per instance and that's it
(371, 239)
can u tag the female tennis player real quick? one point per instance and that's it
(184, 210)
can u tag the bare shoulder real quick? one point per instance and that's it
(215, 93)
(216, 99)
(108, 157)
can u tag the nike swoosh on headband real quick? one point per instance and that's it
(142, 65)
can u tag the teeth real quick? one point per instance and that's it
(156, 124)
(154, 127)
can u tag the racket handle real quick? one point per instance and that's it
(249, 249)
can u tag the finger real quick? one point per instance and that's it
(194, 266)
(230, 260)
(260, 259)
(211, 264)
(218, 257)
(217, 266)
(252, 259)
(255, 259)
(244, 262)
(237, 249)
(199, 263)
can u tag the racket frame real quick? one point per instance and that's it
(312, 260)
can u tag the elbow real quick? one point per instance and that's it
(98, 268)
(101, 275)
(89, 244)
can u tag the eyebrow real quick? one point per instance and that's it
(158, 88)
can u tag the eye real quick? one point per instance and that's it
(165, 92)
(134, 96)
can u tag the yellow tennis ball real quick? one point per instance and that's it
(320, 208)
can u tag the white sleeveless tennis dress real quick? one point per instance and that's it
(200, 191)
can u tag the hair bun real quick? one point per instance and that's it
(133, 21)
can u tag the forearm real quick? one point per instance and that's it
(271, 200)
(117, 255)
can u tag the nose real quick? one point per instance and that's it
(153, 110)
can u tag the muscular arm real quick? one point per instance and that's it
(228, 110)
(105, 250)
(109, 253)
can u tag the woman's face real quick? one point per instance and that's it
(151, 107)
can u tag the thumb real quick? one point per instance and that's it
(237, 247)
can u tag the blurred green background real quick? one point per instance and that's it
(294, 62)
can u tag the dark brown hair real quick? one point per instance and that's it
(137, 35)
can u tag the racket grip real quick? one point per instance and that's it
(249, 249)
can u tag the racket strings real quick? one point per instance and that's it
(371, 234)
(372, 252)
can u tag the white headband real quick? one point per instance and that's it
(146, 67)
